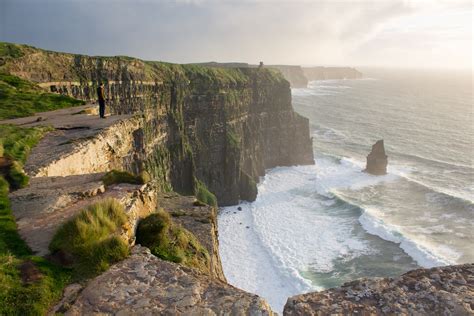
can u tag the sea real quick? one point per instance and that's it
(316, 227)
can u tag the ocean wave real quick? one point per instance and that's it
(424, 256)
(443, 163)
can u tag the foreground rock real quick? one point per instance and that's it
(48, 202)
(377, 160)
(146, 285)
(438, 291)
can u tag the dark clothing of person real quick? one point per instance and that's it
(102, 108)
(101, 97)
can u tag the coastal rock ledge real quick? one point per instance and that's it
(438, 291)
(146, 285)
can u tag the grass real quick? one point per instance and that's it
(19, 98)
(15, 145)
(233, 139)
(116, 176)
(91, 238)
(203, 194)
(10, 50)
(169, 241)
(17, 297)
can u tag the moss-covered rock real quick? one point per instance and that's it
(169, 241)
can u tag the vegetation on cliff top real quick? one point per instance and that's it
(28, 284)
(169, 241)
(19, 98)
(91, 239)
(117, 176)
(15, 145)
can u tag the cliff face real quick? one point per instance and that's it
(325, 73)
(221, 127)
(294, 75)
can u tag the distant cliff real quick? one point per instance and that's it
(202, 126)
(325, 73)
(294, 74)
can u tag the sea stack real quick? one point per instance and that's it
(377, 160)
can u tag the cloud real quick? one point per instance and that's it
(287, 31)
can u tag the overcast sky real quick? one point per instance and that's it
(401, 33)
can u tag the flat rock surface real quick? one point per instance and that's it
(437, 291)
(146, 285)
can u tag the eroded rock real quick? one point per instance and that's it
(437, 291)
(146, 285)
(377, 160)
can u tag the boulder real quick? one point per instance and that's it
(377, 160)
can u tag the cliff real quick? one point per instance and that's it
(294, 75)
(212, 126)
(325, 73)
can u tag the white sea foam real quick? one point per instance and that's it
(424, 256)
(267, 245)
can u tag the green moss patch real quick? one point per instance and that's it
(203, 194)
(19, 98)
(91, 238)
(169, 241)
(116, 176)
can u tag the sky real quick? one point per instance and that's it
(389, 33)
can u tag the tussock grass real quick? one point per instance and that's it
(169, 241)
(91, 238)
(116, 176)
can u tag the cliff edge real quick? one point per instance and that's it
(211, 129)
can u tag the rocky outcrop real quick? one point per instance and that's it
(438, 291)
(146, 285)
(200, 220)
(377, 160)
(223, 127)
(325, 73)
(294, 75)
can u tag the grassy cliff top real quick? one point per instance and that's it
(40, 65)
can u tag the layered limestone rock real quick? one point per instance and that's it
(377, 160)
(223, 127)
(325, 73)
(438, 291)
(145, 285)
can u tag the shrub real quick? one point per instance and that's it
(169, 241)
(91, 238)
(116, 176)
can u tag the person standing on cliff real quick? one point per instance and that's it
(101, 99)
